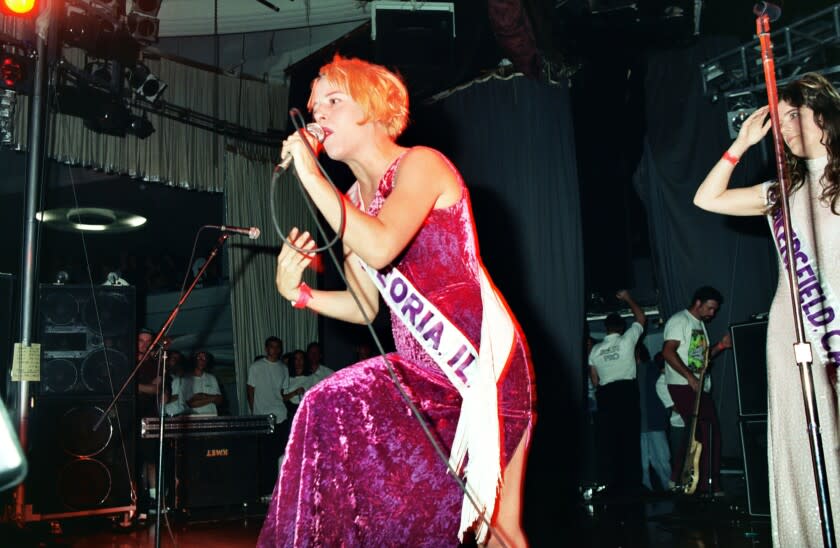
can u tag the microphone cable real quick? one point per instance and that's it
(299, 123)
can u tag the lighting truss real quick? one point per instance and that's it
(800, 47)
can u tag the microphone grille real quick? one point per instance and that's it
(316, 131)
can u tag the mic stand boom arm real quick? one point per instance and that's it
(802, 348)
(162, 399)
(166, 326)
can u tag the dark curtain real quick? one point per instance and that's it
(513, 142)
(686, 135)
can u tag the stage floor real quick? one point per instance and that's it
(644, 521)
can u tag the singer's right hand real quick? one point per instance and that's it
(291, 263)
(294, 146)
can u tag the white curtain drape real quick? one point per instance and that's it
(179, 154)
(258, 310)
(176, 153)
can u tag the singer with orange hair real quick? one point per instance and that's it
(359, 469)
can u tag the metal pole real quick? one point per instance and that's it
(37, 154)
(802, 348)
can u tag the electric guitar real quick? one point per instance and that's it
(690, 475)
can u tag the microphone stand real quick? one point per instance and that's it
(165, 329)
(802, 348)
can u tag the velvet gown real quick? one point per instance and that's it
(358, 468)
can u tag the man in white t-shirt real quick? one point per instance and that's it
(684, 350)
(268, 379)
(198, 392)
(318, 371)
(612, 366)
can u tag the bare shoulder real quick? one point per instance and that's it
(430, 168)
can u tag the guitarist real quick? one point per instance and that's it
(684, 349)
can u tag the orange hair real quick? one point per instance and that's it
(381, 93)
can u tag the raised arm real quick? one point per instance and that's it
(638, 313)
(714, 193)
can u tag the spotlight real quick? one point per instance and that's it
(146, 7)
(145, 84)
(140, 127)
(143, 28)
(15, 72)
(110, 117)
(100, 73)
(738, 108)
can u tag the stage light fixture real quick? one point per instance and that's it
(15, 72)
(143, 28)
(110, 117)
(145, 84)
(18, 8)
(99, 72)
(146, 7)
(140, 127)
(109, 8)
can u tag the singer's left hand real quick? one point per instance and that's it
(291, 263)
(294, 145)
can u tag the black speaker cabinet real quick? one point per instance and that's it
(88, 346)
(754, 447)
(88, 339)
(749, 345)
(217, 471)
(76, 470)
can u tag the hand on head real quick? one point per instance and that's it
(755, 127)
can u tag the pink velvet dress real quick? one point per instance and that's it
(359, 470)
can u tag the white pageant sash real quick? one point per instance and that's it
(473, 374)
(819, 304)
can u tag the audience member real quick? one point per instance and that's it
(199, 391)
(318, 371)
(268, 378)
(299, 381)
(655, 451)
(613, 372)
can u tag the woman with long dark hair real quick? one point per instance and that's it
(809, 114)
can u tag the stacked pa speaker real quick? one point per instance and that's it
(749, 343)
(88, 344)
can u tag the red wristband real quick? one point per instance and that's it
(730, 158)
(304, 296)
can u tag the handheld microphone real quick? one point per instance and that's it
(315, 131)
(250, 231)
(772, 11)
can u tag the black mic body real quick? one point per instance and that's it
(250, 231)
(772, 11)
(315, 131)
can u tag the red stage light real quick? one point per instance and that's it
(15, 72)
(18, 7)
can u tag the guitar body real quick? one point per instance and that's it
(690, 476)
(691, 472)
